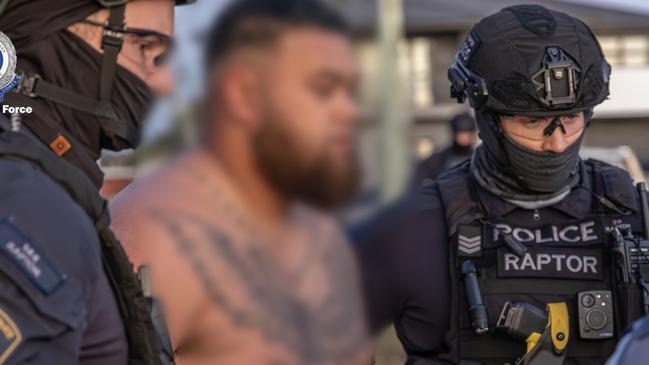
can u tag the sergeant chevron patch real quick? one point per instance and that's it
(469, 241)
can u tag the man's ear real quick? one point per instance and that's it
(241, 91)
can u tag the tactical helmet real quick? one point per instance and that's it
(462, 123)
(527, 59)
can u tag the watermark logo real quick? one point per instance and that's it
(8, 77)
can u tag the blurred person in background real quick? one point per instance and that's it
(633, 348)
(249, 267)
(90, 69)
(523, 229)
(463, 137)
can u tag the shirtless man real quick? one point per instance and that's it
(249, 271)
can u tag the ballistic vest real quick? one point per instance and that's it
(134, 307)
(562, 260)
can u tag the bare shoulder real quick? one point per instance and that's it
(133, 210)
(154, 188)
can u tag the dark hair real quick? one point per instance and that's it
(260, 22)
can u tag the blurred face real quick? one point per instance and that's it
(465, 138)
(544, 134)
(304, 143)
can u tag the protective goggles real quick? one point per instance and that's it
(154, 46)
(539, 128)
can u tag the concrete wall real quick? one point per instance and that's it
(633, 132)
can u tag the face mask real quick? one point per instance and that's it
(131, 97)
(542, 172)
(64, 59)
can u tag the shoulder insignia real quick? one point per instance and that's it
(469, 240)
(16, 246)
(10, 336)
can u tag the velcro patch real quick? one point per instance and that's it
(551, 262)
(10, 336)
(573, 233)
(469, 241)
(468, 47)
(26, 256)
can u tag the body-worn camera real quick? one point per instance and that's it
(595, 314)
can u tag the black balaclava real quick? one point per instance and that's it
(520, 174)
(45, 47)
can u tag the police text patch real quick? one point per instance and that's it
(575, 233)
(24, 254)
(559, 263)
(468, 47)
(10, 336)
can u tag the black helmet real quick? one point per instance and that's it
(527, 59)
(462, 123)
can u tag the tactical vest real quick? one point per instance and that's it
(134, 307)
(563, 260)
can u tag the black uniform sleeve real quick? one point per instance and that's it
(403, 257)
(431, 167)
(633, 348)
(49, 258)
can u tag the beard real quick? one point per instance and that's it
(322, 182)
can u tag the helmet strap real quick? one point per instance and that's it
(34, 86)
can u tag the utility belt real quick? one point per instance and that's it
(550, 294)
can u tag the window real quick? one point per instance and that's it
(626, 50)
(420, 72)
(428, 61)
(414, 66)
(423, 64)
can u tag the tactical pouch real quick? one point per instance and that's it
(630, 295)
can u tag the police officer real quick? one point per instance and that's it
(633, 348)
(505, 259)
(68, 294)
(463, 137)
